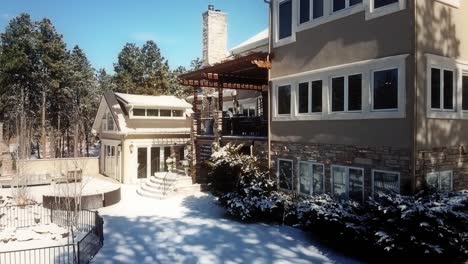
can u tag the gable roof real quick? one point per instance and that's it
(117, 104)
(168, 101)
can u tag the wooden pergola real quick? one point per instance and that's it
(249, 72)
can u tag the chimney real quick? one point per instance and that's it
(214, 36)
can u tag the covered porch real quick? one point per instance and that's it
(230, 104)
(234, 100)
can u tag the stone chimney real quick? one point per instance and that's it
(214, 36)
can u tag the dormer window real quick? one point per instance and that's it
(149, 113)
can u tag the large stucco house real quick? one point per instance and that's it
(138, 133)
(369, 96)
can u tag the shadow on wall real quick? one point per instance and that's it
(436, 27)
(202, 237)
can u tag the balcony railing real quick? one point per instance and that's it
(245, 126)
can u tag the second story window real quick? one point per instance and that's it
(442, 89)
(139, 112)
(382, 3)
(310, 10)
(285, 20)
(309, 97)
(465, 92)
(385, 90)
(347, 93)
(284, 100)
(343, 4)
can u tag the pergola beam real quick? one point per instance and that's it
(218, 84)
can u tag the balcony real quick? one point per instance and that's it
(245, 126)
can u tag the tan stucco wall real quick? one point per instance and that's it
(90, 166)
(441, 30)
(343, 41)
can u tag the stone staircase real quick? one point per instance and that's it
(167, 184)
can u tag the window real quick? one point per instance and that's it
(285, 174)
(110, 122)
(308, 7)
(382, 3)
(304, 11)
(311, 178)
(347, 93)
(285, 20)
(347, 183)
(284, 100)
(177, 113)
(303, 98)
(152, 112)
(440, 181)
(385, 90)
(165, 113)
(316, 96)
(338, 93)
(139, 112)
(465, 92)
(442, 89)
(385, 182)
(342, 4)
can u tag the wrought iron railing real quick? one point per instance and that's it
(245, 126)
(79, 252)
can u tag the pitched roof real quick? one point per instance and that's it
(168, 101)
(256, 41)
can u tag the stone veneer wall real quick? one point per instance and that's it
(214, 37)
(443, 159)
(368, 158)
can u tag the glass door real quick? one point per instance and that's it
(142, 163)
(155, 160)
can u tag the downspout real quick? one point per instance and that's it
(270, 48)
(415, 98)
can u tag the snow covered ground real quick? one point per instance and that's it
(194, 230)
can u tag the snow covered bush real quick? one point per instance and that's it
(433, 226)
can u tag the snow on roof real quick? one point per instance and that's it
(260, 39)
(169, 101)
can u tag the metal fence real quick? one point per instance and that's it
(82, 251)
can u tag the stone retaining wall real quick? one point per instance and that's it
(368, 158)
(443, 159)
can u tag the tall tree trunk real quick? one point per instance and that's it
(38, 149)
(43, 126)
(52, 140)
(68, 143)
(87, 143)
(76, 140)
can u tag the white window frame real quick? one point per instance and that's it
(311, 164)
(438, 173)
(107, 115)
(276, 97)
(372, 90)
(347, 179)
(389, 172)
(311, 20)
(346, 93)
(459, 68)
(278, 174)
(159, 117)
(309, 99)
(347, 6)
(442, 89)
(365, 68)
(464, 73)
(294, 17)
(372, 12)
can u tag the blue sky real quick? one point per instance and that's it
(102, 27)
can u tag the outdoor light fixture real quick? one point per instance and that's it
(131, 148)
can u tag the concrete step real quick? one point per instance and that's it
(150, 194)
(156, 189)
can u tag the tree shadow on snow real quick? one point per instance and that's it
(204, 236)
